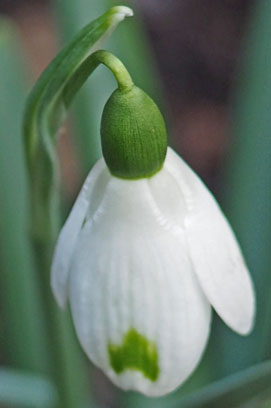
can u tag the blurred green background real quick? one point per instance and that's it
(208, 65)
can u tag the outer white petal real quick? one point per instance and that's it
(214, 250)
(69, 233)
(131, 269)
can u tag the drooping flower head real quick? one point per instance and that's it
(145, 253)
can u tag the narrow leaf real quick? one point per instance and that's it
(231, 391)
(22, 389)
(22, 321)
(46, 111)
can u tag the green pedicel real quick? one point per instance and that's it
(135, 353)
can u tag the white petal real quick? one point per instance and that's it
(131, 272)
(214, 250)
(69, 233)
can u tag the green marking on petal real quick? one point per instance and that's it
(135, 353)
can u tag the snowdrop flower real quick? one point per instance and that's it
(144, 255)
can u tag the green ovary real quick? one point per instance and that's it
(135, 353)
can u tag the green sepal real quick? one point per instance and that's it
(134, 136)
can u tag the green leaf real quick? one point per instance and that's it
(46, 110)
(23, 389)
(22, 321)
(231, 391)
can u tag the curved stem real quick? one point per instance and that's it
(116, 66)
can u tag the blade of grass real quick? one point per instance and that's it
(231, 391)
(248, 194)
(22, 389)
(130, 45)
(24, 340)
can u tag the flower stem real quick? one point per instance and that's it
(121, 74)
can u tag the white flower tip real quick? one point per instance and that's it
(122, 12)
(60, 300)
(246, 330)
(59, 292)
(246, 327)
(242, 322)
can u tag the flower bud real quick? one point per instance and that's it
(133, 132)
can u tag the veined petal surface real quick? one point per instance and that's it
(131, 280)
(214, 250)
(68, 236)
